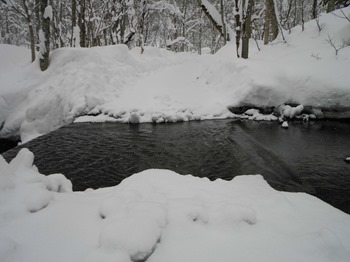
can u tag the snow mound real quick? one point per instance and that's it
(158, 215)
(290, 111)
(285, 124)
(23, 189)
(254, 114)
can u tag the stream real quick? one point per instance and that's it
(306, 157)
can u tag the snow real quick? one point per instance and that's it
(205, 51)
(289, 111)
(285, 124)
(159, 215)
(177, 40)
(116, 84)
(48, 12)
(76, 36)
(42, 46)
(254, 114)
(217, 17)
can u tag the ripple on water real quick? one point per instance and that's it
(306, 157)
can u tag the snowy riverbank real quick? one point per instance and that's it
(159, 215)
(115, 84)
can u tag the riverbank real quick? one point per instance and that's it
(158, 215)
(116, 84)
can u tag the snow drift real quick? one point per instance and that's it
(116, 84)
(158, 215)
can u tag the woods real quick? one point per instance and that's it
(179, 25)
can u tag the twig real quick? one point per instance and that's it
(257, 44)
(336, 48)
(317, 19)
(344, 15)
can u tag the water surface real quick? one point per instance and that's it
(307, 157)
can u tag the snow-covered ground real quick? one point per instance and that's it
(121, 85)
(160, 216)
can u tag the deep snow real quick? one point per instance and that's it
(159, 215)
(159, 86)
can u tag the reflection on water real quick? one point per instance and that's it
(307, 157)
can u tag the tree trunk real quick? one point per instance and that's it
(32, 41)
(31, 29)
(271, 24)
(142, 26)
(302, 16)
(274, 21)
(38, 19)
(247, 29)
(74, 20)
(81, 23)
(60, 21)
(330, 6)
(238, 27)
(7, 31)
(200, 36)
(267, 22)
(223, 21)
(45, 49)
(314, 9)
(212, 19)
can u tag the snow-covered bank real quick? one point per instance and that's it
(161, 86)
(159, 215)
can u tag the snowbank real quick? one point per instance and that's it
(161, 86)
(159, 215)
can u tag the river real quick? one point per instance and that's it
(306, 157)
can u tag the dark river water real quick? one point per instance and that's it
(307, 157)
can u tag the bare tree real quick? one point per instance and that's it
(224, 29)
(238, 25)
(247, 29)
(271, 23)
(314, 9)
(44, 34)
(81, 22)
(25, 10)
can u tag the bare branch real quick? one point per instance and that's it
(335, 47)
(344, 16)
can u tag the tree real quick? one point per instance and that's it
(314, 9)
(238, 25)
(271, 23)
(179, 25)
(44, 34)
(81, 23)
(24, 10)
(335, 4)
(246, 32)
(223, 22)
(216, 19)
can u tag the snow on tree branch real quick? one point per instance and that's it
(42, 47)
(48, 12)
(215, 17)
(163, 6)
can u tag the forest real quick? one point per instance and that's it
(178, 25)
